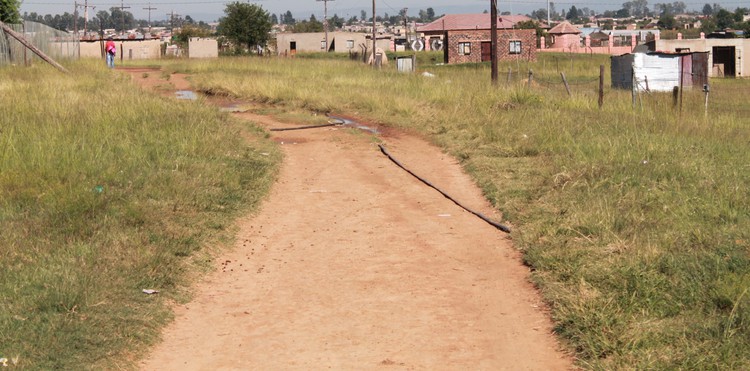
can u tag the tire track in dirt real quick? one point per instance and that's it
(354, 264)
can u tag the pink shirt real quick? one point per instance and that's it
(110, 47)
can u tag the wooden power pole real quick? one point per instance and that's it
(149, 18)
(374, 36)
(122, 16)
(325, 20)
(493, 39)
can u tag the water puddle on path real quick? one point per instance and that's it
(346, 122)
(186, 94)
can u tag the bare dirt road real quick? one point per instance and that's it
(354, 264)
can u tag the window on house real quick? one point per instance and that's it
(464, 48)
(323, 45)
(350, 44)
(514, 47)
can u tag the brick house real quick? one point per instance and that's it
(467, 38)
(474, 46)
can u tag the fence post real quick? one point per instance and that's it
(675, 94)
(633, 82)
(531, 76)
(601, 86)
(510, 75)
(565, 81)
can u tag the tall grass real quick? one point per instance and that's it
(105, 191)
(635, 220)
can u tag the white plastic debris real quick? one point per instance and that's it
(427, 74)
(150, 291)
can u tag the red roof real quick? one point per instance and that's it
(453, 22)
(564, 28)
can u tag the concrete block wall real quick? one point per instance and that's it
(203, 48)
(141, 49)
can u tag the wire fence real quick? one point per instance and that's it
(54, 43)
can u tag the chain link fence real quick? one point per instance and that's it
(54, 43)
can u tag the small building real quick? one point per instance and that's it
(466, 38)
(726, 57)
(338, 42)
(659, 71)
(565, 37)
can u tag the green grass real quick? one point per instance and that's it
(635, 221)
(105, 191)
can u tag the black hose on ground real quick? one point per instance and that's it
(306, 127)
(486, 219)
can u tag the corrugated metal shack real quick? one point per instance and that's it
(659, 71)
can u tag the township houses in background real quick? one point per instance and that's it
(465, 38)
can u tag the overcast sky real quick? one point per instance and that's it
(210, 10)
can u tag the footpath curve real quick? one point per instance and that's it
(352, 263)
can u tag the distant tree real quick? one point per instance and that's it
(531, 25)
(246, 25)
(189, 20)
(572, 14)
(335, 22)
(724, 19)
(667, 22)
(313, 25)
(362, 15)
(9, 11)
(708, 9)
(739, 14)
(637, 8)
(351, 21)
(622, 13)
(274, 19)
(430, 14)
(708, 25)
(288, 19)
(540, 14)
(191, 30)
(103, 20)
(121, 20)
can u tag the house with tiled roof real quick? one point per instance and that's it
(466, 38)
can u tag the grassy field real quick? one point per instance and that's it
(635, 220)
(106, 191)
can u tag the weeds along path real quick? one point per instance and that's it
(354, 264)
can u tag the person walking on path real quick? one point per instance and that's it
(111, 50)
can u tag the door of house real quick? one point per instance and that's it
(293, 47)
(724, 56)
(486, 51)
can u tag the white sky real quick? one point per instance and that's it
(211, 10)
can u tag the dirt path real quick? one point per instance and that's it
(354, 264)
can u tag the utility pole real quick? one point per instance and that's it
(374, 31)
(548, 19)
(406, 27)
(122, 16)
(493, 39)
(325, 19)
(75, 19)
(86, 7)
(172, 16)
(149, 18)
